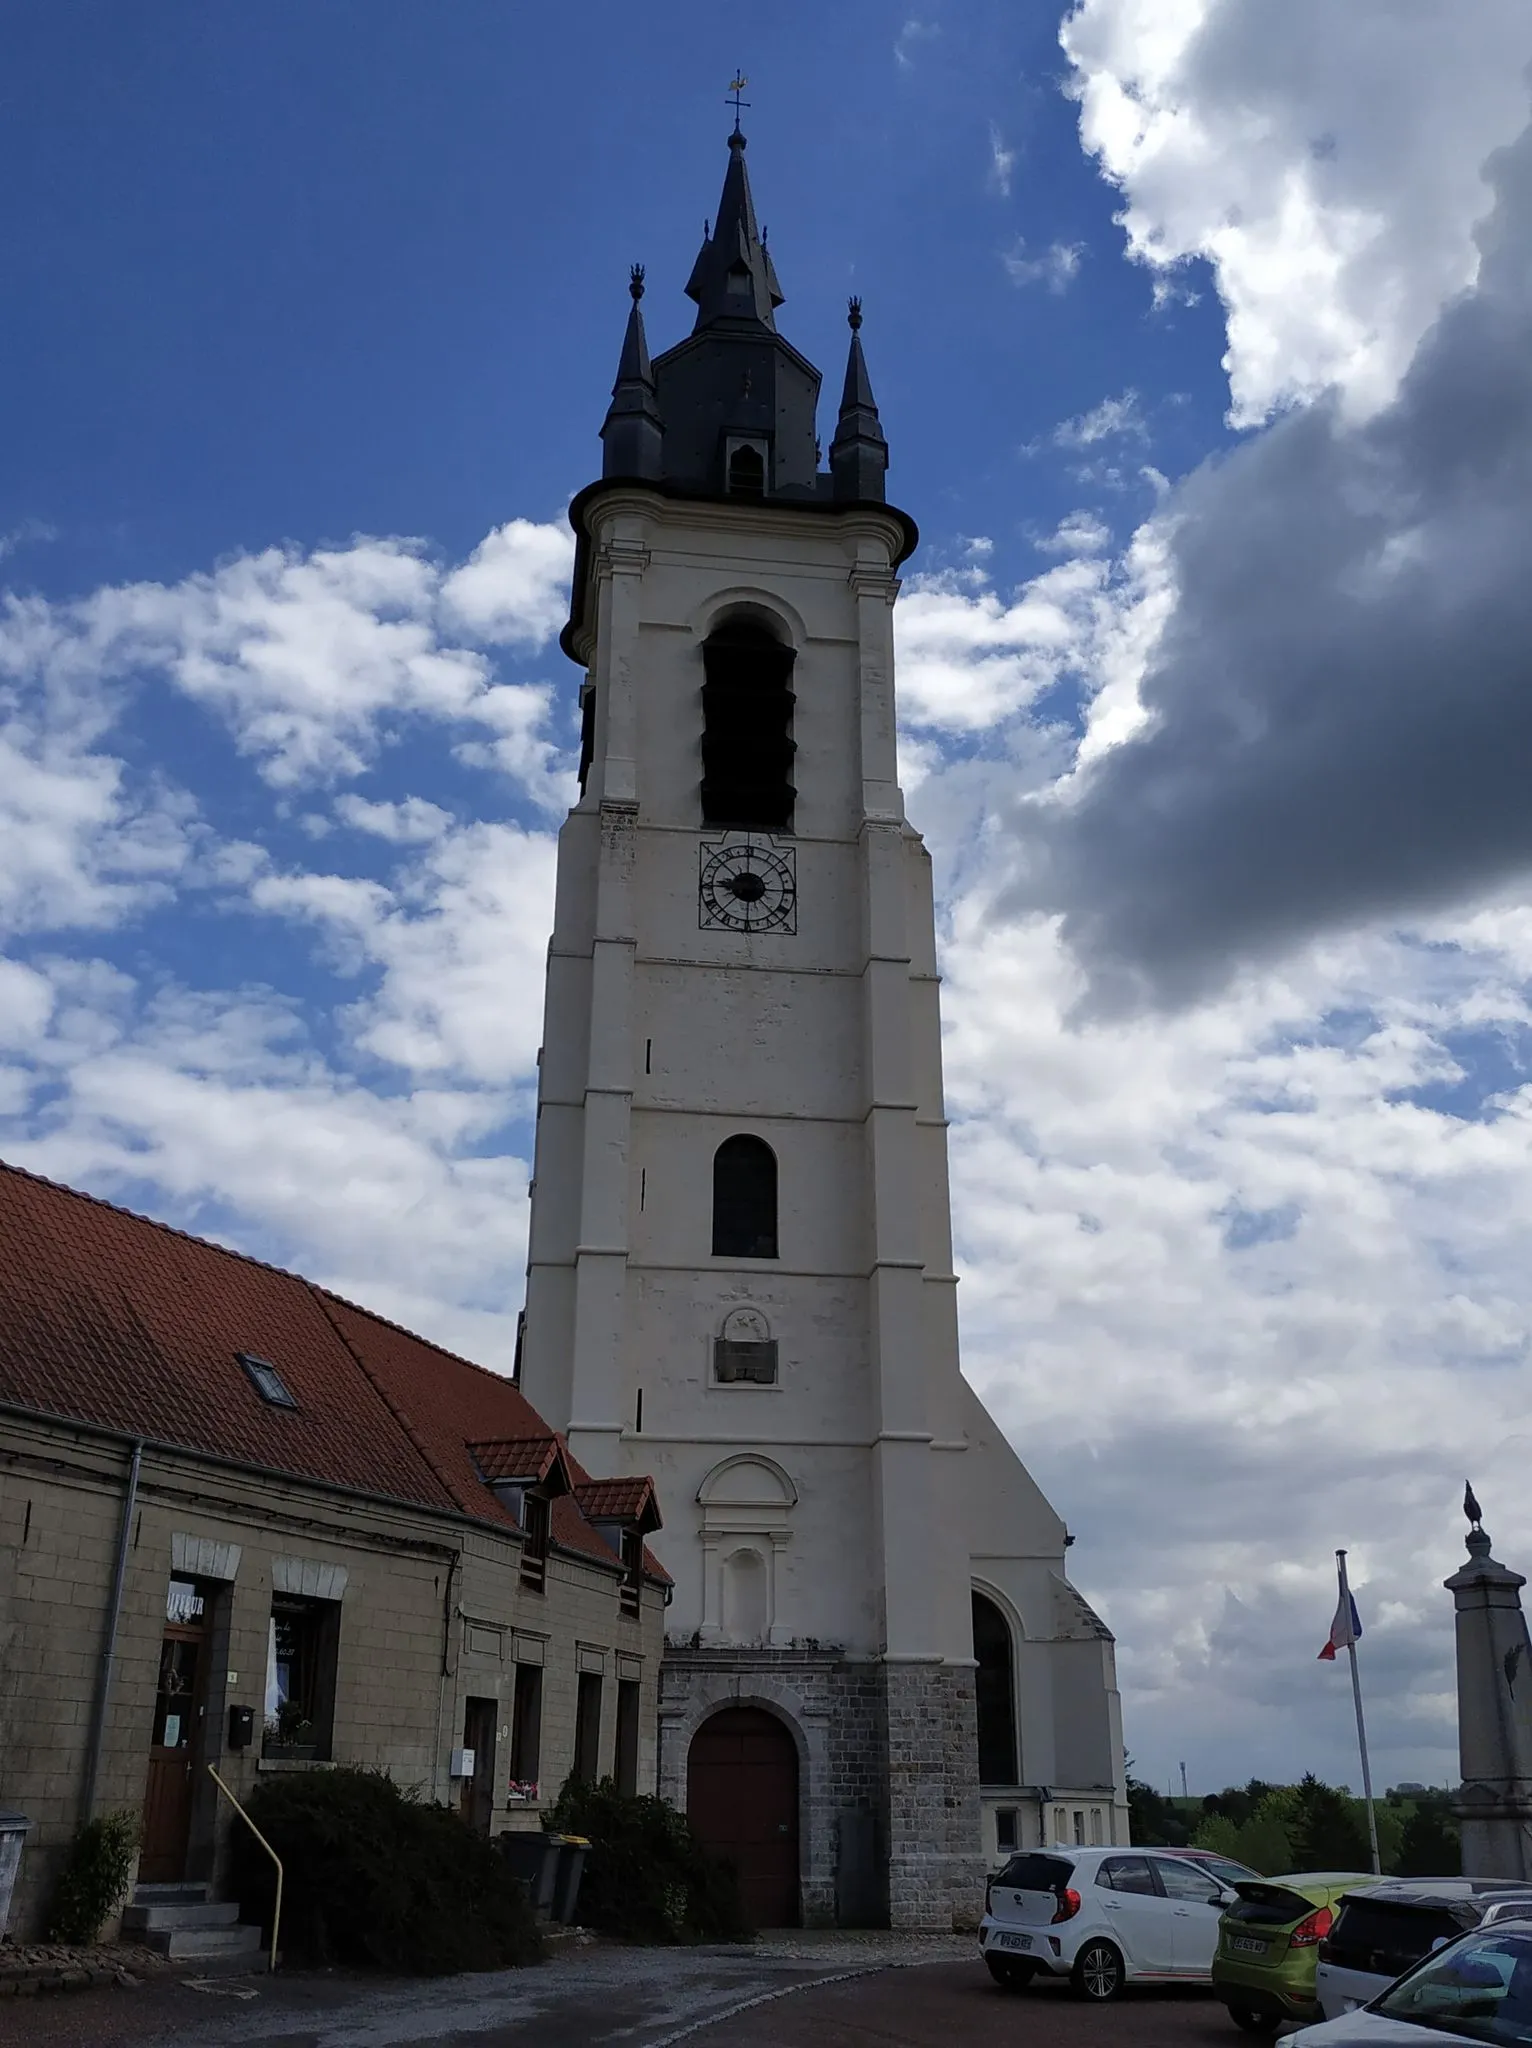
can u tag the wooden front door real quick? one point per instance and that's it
(477, 1800)
(742, 1798)
(175, 1743)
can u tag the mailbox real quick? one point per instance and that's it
(241, 1727)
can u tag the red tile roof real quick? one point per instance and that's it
(112, 1319)
(527, 1460)
(619, 1500)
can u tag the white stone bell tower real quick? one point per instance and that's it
(740, 1272)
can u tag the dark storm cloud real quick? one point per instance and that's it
(1342, 701)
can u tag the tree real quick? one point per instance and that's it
(1153, 1819)
(1324, 1831)
(1429, 1845)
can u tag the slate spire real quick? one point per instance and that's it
(733, 278)
(633, 433)
(859, 452)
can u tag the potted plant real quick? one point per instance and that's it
(290, 1735)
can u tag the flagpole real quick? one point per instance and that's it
(1361, 1725)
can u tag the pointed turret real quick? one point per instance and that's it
(633, 433)
(733, 278)
(859, 453)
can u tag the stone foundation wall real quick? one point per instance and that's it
(889, 1825)
(833, 1705)
(935, 1859)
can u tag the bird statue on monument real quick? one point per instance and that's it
(1471, 1507)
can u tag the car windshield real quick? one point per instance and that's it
(1226, 1871)
(1480, 1987)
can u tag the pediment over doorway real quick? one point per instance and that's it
(748, 1480)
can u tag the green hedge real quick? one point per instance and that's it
(376, 1877)
(648, 1877)
(95, 1878)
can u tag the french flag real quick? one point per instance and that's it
(1344, 1630)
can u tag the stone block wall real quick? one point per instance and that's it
(889, 1827)
(935, 1861)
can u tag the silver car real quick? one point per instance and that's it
(1477, 1988)
(1380, 1932)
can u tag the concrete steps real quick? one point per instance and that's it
(182, 1922)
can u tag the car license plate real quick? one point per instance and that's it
(1010, 1941)
(1246, 1945)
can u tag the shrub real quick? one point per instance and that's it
(375, 1876)
(95, 1878)
(648, 1878)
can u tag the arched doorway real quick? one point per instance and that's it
(995, 1691)
(742, 1798)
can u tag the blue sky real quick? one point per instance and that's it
(1199, 334)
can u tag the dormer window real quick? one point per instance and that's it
(739, 281)
(266, 1380)
(747, 471)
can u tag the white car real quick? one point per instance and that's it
(1106, 1917)
(1477, 1988)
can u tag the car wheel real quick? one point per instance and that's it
(1009, 1974)
(1252, 2020)
(1098, 1973)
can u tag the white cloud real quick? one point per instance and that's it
(514, 587)
(909, 39)
(1325, 160)
(405, 824)
(1057, 267)
(1113, 419)
(1080, 533)
(1002, 161)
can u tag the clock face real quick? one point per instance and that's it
(748, 885)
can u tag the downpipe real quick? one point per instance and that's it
(109, 1647)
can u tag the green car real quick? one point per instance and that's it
(1268, 1945)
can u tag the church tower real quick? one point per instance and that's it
(740, 1269)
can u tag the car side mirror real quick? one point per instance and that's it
(1224, 1899)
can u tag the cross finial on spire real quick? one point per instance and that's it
(737, 85)
(853, 314)
(636, 282)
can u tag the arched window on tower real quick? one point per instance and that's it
(995, 1691)
(747, 710)
(747, 472)
(744, 1199)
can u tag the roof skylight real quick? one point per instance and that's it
(266, 1380)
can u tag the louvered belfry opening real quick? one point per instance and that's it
(747, 711)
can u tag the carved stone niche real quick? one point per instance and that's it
(744, 1351)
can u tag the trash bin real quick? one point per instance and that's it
(573, 1850)
(14, 1828)
(534, 1858)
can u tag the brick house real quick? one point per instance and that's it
(246, 1523)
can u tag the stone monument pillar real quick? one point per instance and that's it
(1494, 1657)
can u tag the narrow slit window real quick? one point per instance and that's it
(747, 713)
(744, 1199)
(266, 1380)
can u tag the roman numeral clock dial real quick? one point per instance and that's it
(745, 884)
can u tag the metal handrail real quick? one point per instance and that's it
(276, 1918)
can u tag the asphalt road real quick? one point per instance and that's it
(708, 1998)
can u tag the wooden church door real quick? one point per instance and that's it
(742, 1798)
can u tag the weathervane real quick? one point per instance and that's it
(737, 85)
(1471, 1507)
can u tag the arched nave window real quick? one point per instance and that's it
(995, 1691)
(744, 1199)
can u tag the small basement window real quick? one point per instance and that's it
(266, 1380)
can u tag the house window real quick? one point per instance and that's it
(587, 1728)
(303, 1637)
(995, 1694)
(627, 1736)
(1095, 1827)
(630, 1594)
(526, 1732)
(747, 710)
(1079, 1826)
(536, 1525)
(744, 1199)
(1005, 1829)
(747, 470)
